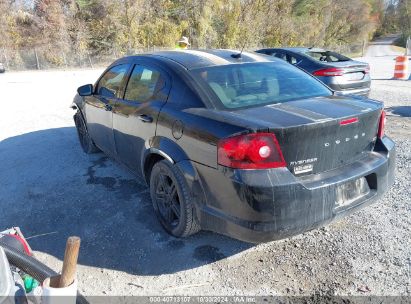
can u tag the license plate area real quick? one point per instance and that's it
(349, 192)
(354, 76)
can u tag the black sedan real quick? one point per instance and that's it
(338, 72)
(241, 144)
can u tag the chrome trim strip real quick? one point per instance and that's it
(163, 154)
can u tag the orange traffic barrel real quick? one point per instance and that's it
(401, 68)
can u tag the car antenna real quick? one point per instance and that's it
(238, 55)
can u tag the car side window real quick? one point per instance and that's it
(276, 54)
(143, 84)
(111, 82)
(280, 55)
(291, 59)
(270, 53)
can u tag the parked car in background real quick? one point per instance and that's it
(2, 68)
(342, 74)
(241, 144)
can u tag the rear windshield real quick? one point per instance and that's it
(253, 84)
(327, 56)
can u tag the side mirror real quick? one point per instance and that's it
(85, 90)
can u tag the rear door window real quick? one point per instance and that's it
(111, 83)
(143, 84)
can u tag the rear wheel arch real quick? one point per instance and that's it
(160, 148)
(173, 200)
(150, 160)
(167, 152)
(164, 148)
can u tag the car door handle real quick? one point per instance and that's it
(107, 107)
(145, 118)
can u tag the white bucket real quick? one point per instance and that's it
(53, 295)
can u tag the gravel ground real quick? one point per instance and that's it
(52, 190)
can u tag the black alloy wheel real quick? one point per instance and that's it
(167, 200)
(171, 200)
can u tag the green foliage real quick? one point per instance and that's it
(404, 7)
(397, 19)
(97, 27)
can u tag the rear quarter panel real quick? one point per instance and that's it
(180, 121)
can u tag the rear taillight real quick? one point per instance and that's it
(329, 72)
(367, 70)
(251, 151)
(381, 125)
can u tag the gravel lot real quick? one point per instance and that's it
(52, 190)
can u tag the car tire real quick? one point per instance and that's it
(172, 201)
(86, 142)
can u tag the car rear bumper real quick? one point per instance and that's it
(344, 87)
(263, 205)
(363, 92)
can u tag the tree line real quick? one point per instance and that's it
(397, 19)
(91, 29)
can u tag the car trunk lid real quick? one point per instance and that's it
(320, 134)
(354, 74)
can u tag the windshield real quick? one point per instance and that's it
(327, 56)
(253, 84)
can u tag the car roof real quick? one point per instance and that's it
(192, 59)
